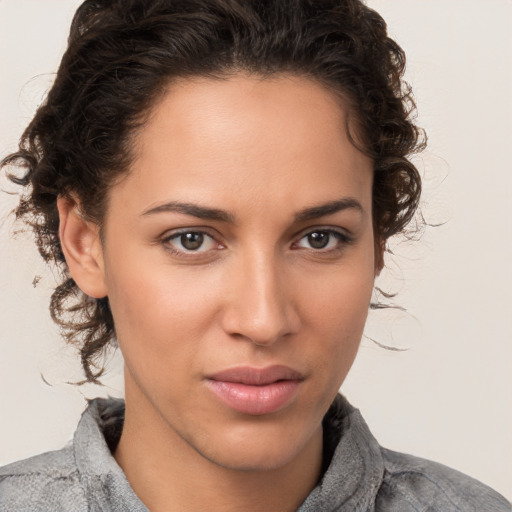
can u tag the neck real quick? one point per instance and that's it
(167, 473)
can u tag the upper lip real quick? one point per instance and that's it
(256, 376)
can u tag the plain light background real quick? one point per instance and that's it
(448, 397)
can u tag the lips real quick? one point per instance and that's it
(255, 391)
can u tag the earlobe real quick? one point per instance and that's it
(81, 245)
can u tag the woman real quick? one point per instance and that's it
(218, 181)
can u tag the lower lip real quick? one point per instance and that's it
(255, 400)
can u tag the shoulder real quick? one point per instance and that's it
(413, 483)
(46, 482)
(362, 475)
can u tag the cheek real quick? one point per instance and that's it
(341, 299)
(337, 315)
(158, 315)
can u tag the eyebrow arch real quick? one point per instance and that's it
(329, 208)
(217, 214)
(192, 209)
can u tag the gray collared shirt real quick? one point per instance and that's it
(360, 475)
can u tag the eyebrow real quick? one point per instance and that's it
(314, 212)
(203, 212)
(192, 209)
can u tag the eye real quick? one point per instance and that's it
(323, 239)
(190, 242)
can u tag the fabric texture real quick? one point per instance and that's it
(359, 475)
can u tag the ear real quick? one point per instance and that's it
(81, 245)
(380, 247)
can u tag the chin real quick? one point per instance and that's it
(245, 459)
(259, 448)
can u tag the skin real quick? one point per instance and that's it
(256, 293)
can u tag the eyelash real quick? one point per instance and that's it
(166, 241)
(343, 239)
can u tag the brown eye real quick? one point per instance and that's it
(324, 240)
(192, 241)
(319, 239)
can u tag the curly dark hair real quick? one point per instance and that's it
(121, 56)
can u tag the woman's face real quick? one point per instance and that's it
(239, 261)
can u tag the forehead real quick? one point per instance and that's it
(200, 111)
(245, 139)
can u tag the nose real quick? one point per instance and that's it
(260, 303)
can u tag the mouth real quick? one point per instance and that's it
(255, 391)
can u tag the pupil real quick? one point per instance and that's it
(192, 241)
(318, 240)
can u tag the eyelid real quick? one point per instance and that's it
(174, 232)
(166, 238)
(343, 235)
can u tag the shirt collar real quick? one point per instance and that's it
(350, 482)
(105, 483)
(356, 469)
